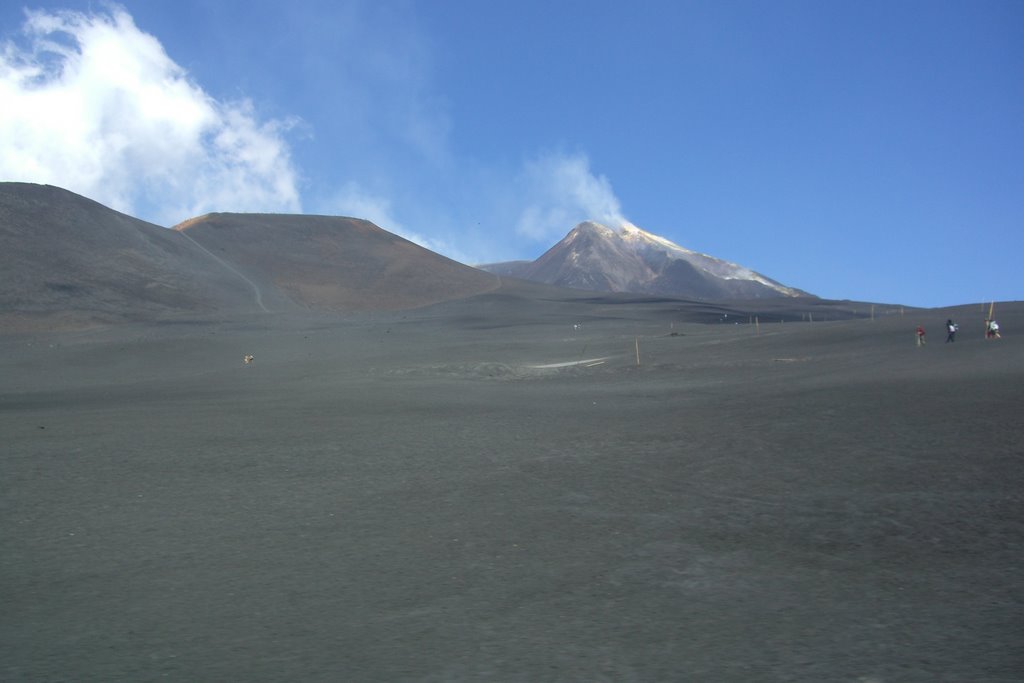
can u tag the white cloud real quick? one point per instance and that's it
(560, 191)
(95, 105)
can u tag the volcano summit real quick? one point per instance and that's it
(596, 257)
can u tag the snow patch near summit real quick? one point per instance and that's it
(627, 258)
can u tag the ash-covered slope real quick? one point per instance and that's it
(66, 260)
(66, 257)
(331, 263)
(595, 257)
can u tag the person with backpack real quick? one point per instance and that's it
(951, 328)
(920, 335)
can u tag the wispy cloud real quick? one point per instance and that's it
(559, 191)
(95, 105)
(355, 201)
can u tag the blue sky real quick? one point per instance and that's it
(862, 150)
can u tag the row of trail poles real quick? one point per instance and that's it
(885, 312)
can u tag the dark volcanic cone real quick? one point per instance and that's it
(335, 264)
(67, 258)
(69, 261)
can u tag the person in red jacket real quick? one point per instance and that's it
(920, 336)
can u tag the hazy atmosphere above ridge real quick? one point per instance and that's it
(863, 151)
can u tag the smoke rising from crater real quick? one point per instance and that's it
(561, 191)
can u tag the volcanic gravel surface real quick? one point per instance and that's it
(507, 488)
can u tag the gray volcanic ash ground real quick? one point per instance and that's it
(447, 494)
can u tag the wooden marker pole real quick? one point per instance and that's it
(757, 326)
(637, 340)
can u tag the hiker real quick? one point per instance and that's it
(920, 336)
(993, 330)
(951, 328)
